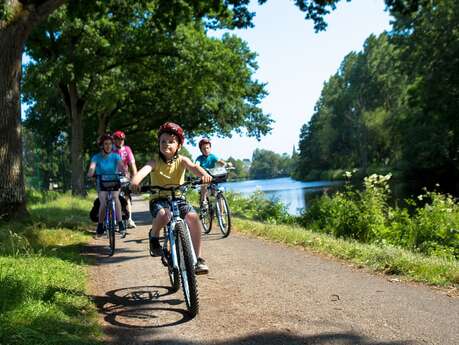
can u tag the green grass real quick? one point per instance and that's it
(43, 276)
(379, 258)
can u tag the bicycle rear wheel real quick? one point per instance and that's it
(223, 215)
(186, 268)
(111, 227)
(206, 217)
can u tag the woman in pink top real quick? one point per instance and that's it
(130, 169)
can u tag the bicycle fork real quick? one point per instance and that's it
(109, 208)
(175, 216)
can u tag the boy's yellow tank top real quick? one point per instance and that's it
(166, 174)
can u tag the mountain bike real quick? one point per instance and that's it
(108, 184)
(216, 204)
(178, 253)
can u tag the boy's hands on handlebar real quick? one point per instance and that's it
(206, 178)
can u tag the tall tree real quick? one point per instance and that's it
(428, 124)
(206, 85)
(353, 123)
(17, 19)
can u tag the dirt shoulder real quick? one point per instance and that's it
(258, 292)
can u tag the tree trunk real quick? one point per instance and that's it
(13, 35)
(12, 191)
(103, 123)
(75, 107)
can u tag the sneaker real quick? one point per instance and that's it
(155, 247)
(201, 267)
(99, 230)
(130, 224)
(122, 229)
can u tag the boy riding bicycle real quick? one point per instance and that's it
(166, 169)
(207, 160)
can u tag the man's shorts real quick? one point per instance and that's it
(157, 204)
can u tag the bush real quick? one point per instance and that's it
(257, 207)
(367, 217)
(35, 196)
(435, 227)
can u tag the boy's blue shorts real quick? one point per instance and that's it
(157, 204)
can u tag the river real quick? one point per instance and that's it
(294, 194)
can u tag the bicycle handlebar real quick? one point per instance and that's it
(116, 174)
(173, 188)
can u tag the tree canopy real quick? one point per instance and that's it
(394, 105)
(205, 84)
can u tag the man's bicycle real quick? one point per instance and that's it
(178, 253)
(110, 183)
(216, 205)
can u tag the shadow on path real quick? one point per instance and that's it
(277, 338)
(139, 307)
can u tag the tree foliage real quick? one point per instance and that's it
(393, 106)
(120, 65)
(268, 164)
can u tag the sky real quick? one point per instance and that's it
(295, 62)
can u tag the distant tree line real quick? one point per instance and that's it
(393, 106)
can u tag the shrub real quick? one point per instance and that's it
(366, 216)
(257, 207)
(435, 226)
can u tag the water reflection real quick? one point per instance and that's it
(295, 194)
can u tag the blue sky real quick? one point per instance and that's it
(295, 62)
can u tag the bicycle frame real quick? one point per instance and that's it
(109, 205)
(216, 204)
(170, 236)
(110, 208)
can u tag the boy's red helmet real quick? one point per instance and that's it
(172, 128)
(104, 137)
(204, 141)
(119, 135)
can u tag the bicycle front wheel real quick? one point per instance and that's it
(186, 268)
(206, 217)
(167, 260)
(111, 227)
(223, 215)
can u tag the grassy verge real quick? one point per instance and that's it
(380, 258)
(43, 276)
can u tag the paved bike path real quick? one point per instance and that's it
(258, 292)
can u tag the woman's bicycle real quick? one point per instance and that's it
(216, 205)
(110, 183)
(178, 253)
